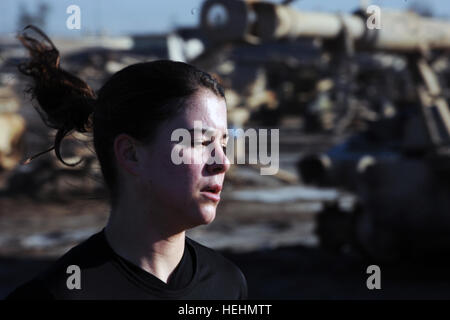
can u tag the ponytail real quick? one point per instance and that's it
(65, 102)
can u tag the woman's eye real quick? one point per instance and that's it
(206, 143)
(198, 143)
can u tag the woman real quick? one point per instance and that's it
(143, 252)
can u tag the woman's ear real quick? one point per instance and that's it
(125, 150)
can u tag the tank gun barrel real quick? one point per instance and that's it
(258, 21)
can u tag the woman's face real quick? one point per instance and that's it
(187, 194)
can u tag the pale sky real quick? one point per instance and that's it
(119, 17)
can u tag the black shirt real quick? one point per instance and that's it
(104, 275)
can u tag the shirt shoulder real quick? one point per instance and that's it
(89, 255)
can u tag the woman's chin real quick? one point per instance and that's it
(206, 215)
(210, 219)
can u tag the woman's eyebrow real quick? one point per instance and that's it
(210, 131)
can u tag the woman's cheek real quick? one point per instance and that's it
(194, 155)
(181, 154)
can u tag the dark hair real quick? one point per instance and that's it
(135, 100)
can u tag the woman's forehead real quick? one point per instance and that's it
(206, 111)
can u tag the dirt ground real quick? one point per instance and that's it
(281, 259)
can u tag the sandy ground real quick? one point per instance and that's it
(273, 244)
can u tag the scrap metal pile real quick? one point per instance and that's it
(330, 70)
(386, 88)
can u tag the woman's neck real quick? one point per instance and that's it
(133, 236)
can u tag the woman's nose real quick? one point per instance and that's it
(221, 162)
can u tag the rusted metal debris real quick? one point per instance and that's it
(12, 129)
(386, 88)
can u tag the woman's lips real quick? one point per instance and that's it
(212, 192)
(211, 196)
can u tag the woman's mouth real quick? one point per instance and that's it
(212, 192)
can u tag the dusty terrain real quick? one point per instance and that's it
(273, 243)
